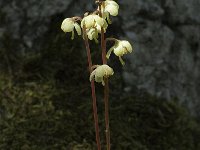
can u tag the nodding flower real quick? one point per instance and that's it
(100, 72)
(93, 24)
(120, 48)
(69, 24)
(109, 7)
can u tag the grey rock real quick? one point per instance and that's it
(166, 60)
(182, 11)
(28, 20)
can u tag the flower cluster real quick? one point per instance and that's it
(92, 25)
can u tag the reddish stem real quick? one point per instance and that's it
(103, 43)
(106, 87)
(103, 46)
(106, 101)
(93, 90)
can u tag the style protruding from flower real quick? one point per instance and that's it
(101, 72)
(69, 24)
(109, 7)
(120, 48)
(93, 24)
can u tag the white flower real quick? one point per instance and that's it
(92, 20)
(101, 72)
(93, 24)
(120, 48)
(109, 7)
(92, 34)
(69, 24)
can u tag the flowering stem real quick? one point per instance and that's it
(103, 47)
(106, 101)
(106, 87)
(106, 92)
(93, 90)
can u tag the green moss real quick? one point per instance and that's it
(43, 116)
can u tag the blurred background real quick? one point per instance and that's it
(45, 101)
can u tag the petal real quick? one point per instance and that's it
(111, 2)
(90, 32)
(78, 28)
(67, 25)
(82, 22)
(99, 20)
(105, 25)
(98, 79)
(89, 21)
(96, 36)
(95, 39)
(108, 18)
(96, 33)
(127, 45)
(118, 50)
(108, 71)
(112, 9)
(93, 34)
(92, 75)
(100, 71)
(98, 27)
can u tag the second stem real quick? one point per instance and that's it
(93, 90)
(106, 90)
